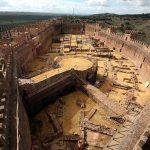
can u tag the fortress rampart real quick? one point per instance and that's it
(74, 28)
(28, 41)
(15, 125)
(136, 51)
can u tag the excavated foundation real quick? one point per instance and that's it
(108, 87)
(82, 86)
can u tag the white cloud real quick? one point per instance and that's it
(41, 5)
(144, 2)
(3, 3)
(97, 2)
(80, 7)
(138, 2)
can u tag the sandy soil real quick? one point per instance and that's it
(76, 63)
(117, 94)
(70, 120)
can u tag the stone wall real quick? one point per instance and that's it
(139, 54)
(136, 51)
(23, 127)
(38, 95)
(72, 28)
(45, 38)
(101, 98)
(38, 40)
(34, 39)
(17, 124)
(45, 92)
(25, 48)
(25, 53)
(39, 44)
(29, 40)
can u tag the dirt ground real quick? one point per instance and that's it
(117, 94)
(70, 120)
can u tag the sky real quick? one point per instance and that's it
(77, 6)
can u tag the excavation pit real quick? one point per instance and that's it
(70, 121)
(75, 70)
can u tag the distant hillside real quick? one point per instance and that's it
(138, 22)
(5, 13)
(125, 15)
(23, 17)
(9, 20)
(138, 15)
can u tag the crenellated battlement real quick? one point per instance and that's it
(112, 31)
(132, 32)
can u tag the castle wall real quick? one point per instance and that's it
(17, 123)
(24, 51)
(24, 127)
(45, 39)
(90, 29)
(39, 44)
(145, 69)
(39, 39)
(46, 91)
(72, 28)
(136, 51)
(24, 55)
